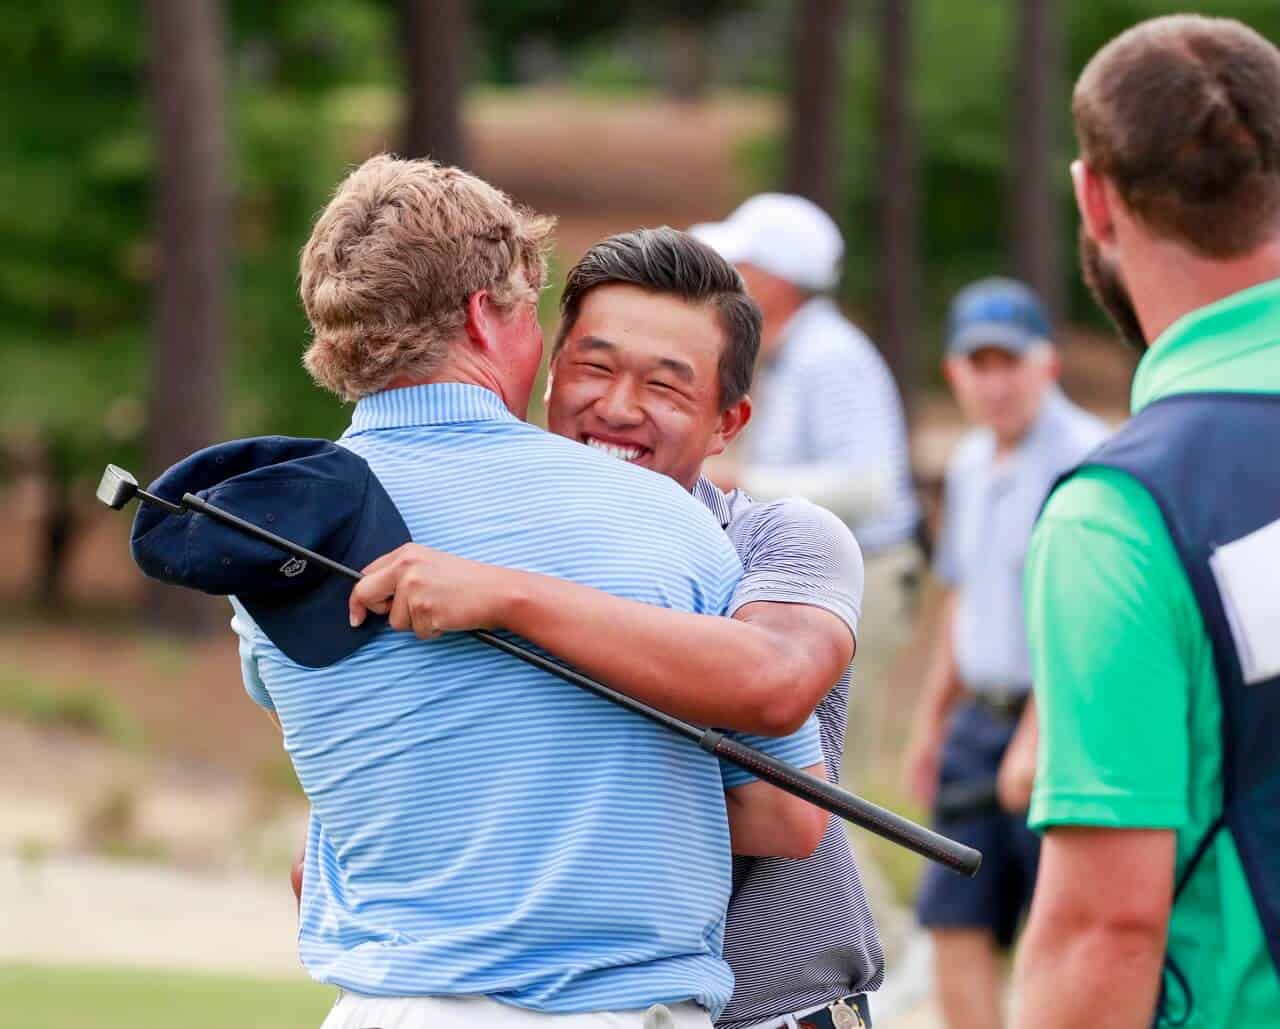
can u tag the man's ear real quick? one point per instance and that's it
(483, 317)
(733, 419)
(1093, 202)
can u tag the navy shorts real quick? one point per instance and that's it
(997, 897)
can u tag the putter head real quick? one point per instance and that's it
(117, 487)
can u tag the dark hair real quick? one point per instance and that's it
(669, 262)
(1183, 114)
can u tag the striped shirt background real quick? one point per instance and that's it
(829, 399)
(478, 826)
(799, 933)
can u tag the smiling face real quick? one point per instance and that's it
(638, 376)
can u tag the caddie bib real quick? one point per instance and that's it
(1211, 462)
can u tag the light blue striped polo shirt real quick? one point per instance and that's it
(477, 826)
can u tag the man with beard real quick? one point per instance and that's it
(1151, 580)
(652, 363)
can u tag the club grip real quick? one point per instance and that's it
(903, 831)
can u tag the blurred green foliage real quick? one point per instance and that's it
(313, 84)
(77, 164)
(962, 86)
(503, 26)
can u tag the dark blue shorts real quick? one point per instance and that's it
(997, 897)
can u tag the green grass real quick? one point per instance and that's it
(81, 708)
(98, 998)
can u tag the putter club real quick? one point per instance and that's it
(118, 487)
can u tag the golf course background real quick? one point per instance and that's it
(150, 812)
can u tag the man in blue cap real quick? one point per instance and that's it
(487, 846)
(974, 724)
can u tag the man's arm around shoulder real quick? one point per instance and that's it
(763, 672)
(765, 821)
(802, 587)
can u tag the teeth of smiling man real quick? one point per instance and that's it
(612, 449)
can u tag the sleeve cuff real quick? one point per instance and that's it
(842, 607)
(802, 749)
(1127, 811)
(259, 696)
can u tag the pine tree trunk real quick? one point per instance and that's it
(59, 527)
(186, 395)
(898, 292)
(1036, 228)
(687, 68)
(817, 79)
(436, 47)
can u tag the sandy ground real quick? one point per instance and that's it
(82, 910)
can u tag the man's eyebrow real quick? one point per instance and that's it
(594, 343)
(681, 369)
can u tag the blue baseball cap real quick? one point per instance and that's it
(996, 312)
(311, 492)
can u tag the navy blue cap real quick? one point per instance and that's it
(311, 492)
(996, 312)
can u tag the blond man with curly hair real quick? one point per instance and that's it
(407, 258)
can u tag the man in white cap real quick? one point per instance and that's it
(829, 422)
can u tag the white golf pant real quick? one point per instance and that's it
(356, 1012)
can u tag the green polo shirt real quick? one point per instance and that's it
(1124, 676)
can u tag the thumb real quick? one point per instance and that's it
(372, 593)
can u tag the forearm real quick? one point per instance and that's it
(1027, 736)
(854, 495)
(1016, 775)
(942, 682)
(1106, 977)
(765, 821)
(707, 669)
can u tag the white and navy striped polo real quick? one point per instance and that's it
(828, 400)
(477, 826)
(799, 933)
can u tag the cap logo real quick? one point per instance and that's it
(294, 566)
